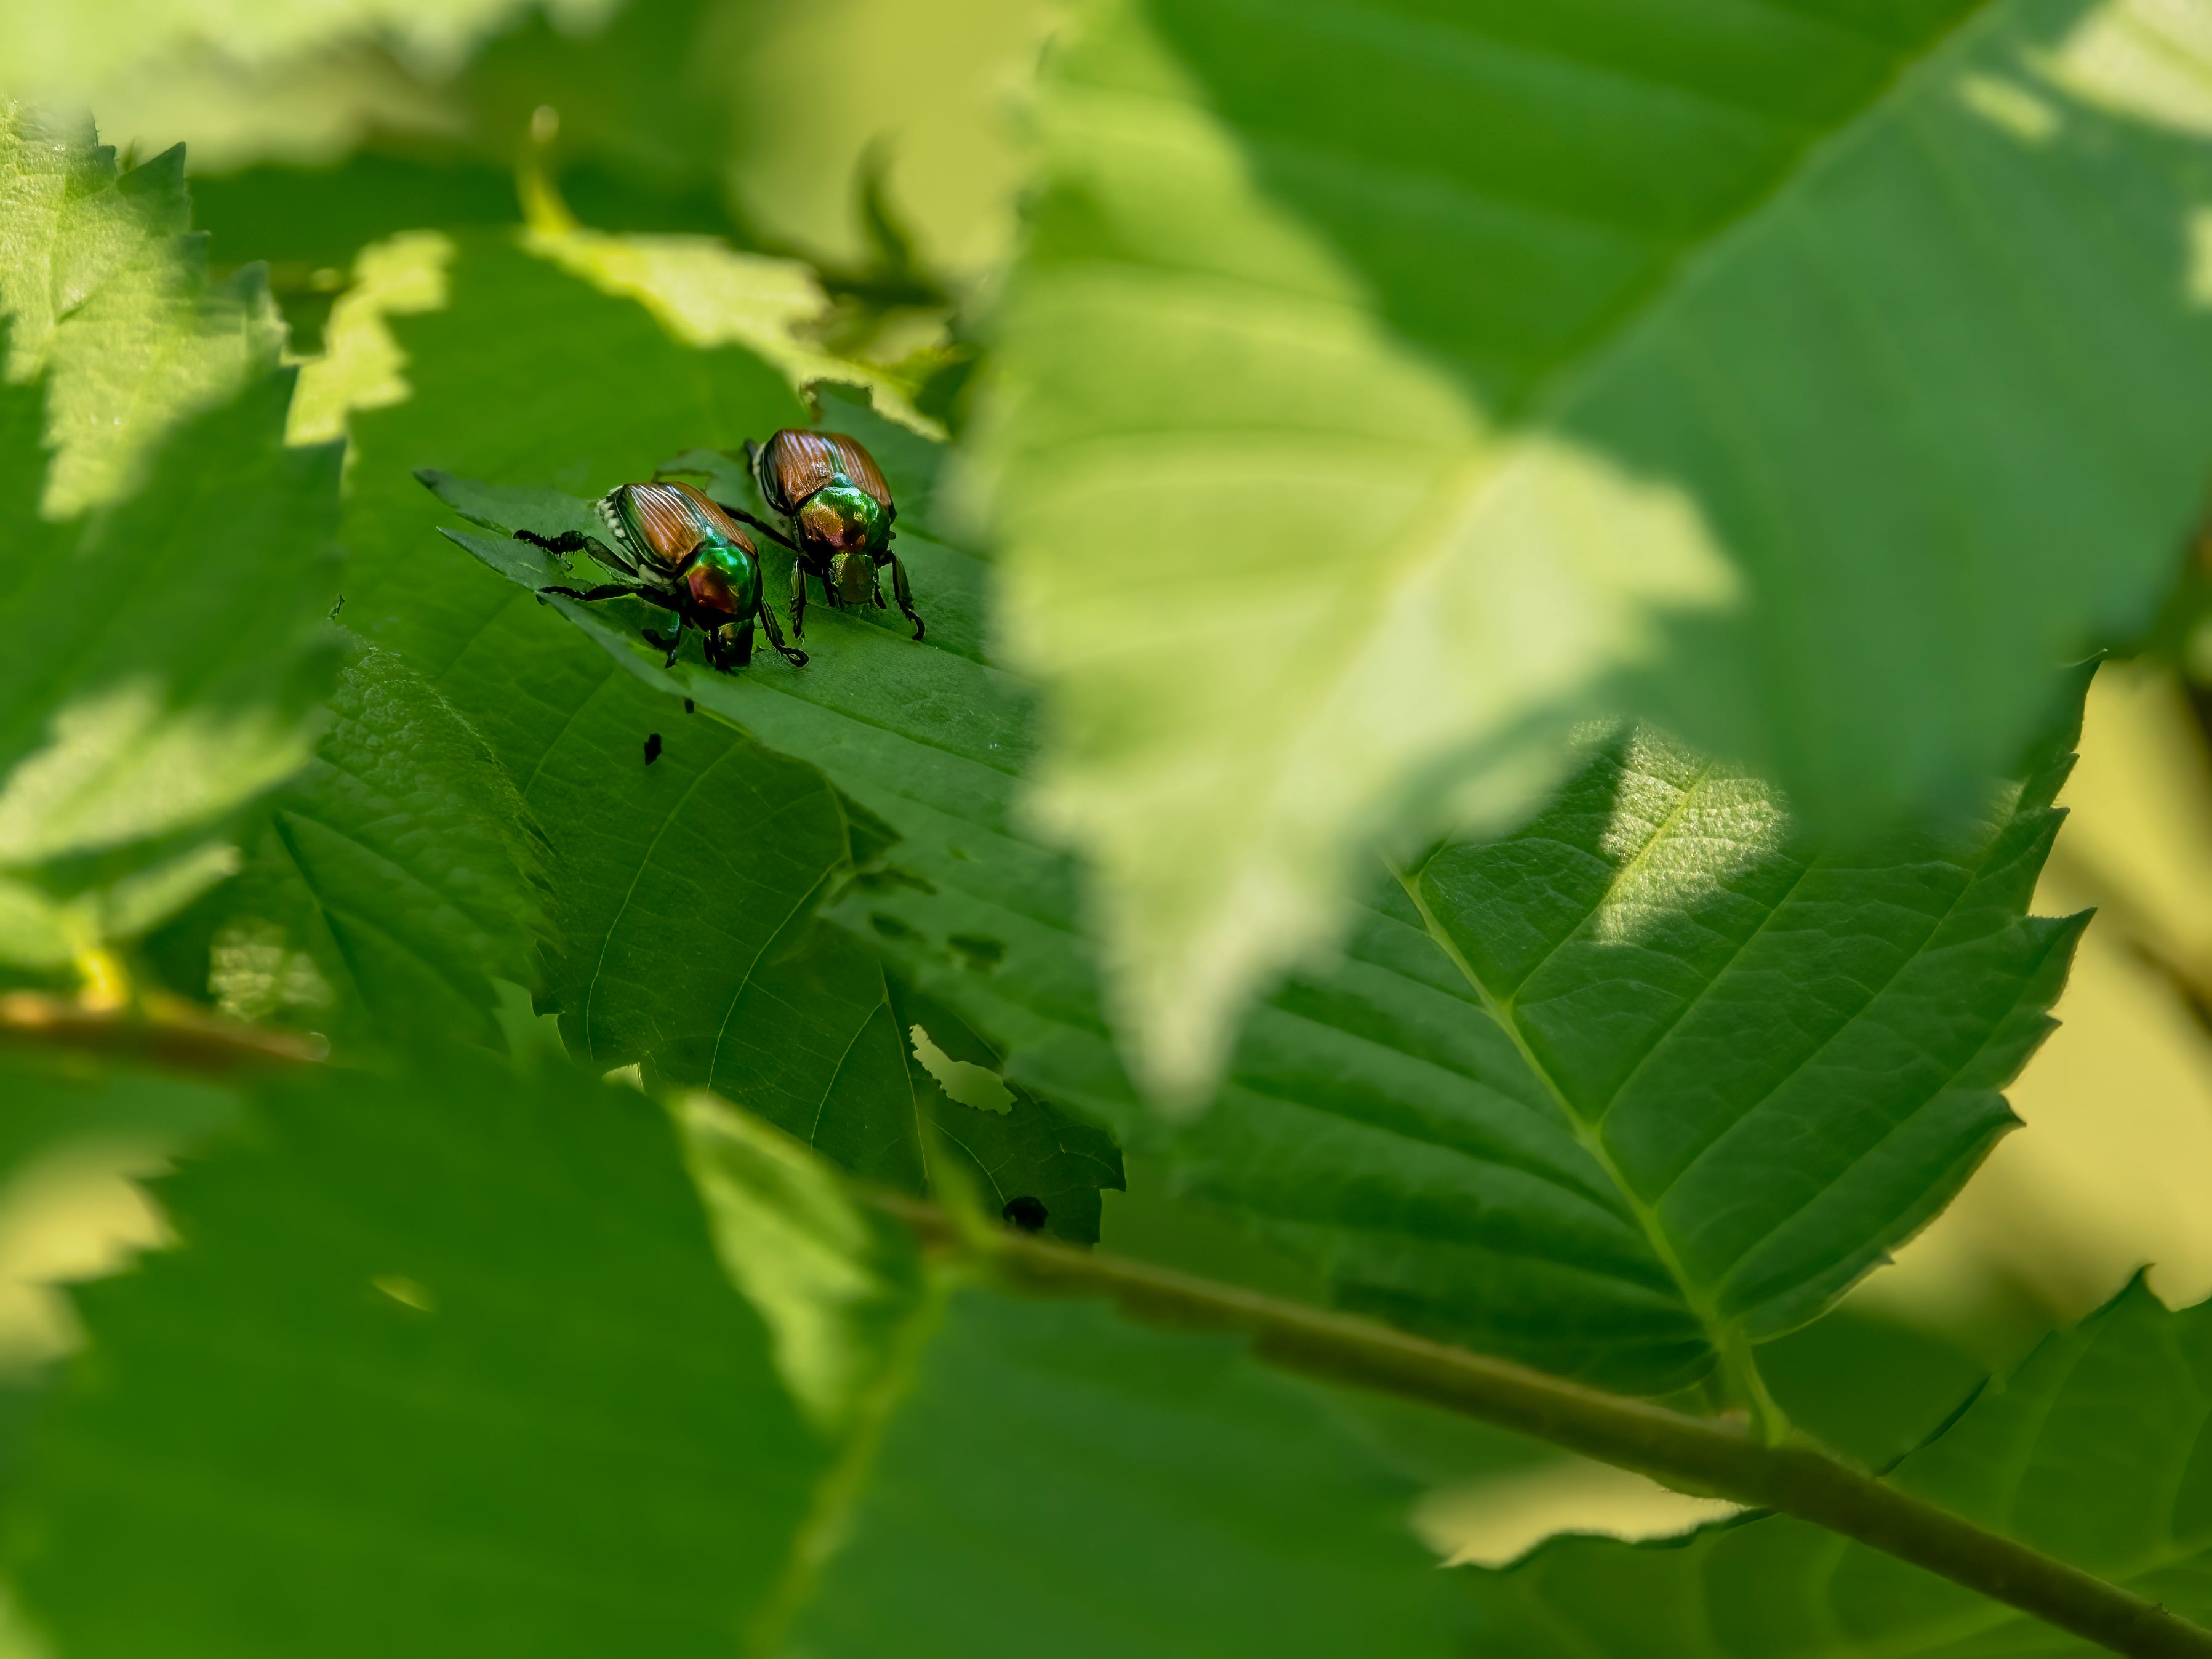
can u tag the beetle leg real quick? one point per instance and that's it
(574, 541)
(569, 541)
(611, 591)
(904, 595)
(798, 599)
(761, 524)
(672, 644)
(737, 648)
(797, 659)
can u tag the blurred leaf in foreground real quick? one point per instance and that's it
(1634, 362)
(441, 1364)
(467, 1338)
(106, 289)
(165, 659)
(1060, 1480)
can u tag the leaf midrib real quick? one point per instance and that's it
(1722, 1335)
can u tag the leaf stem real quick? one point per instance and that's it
(1719, 1456)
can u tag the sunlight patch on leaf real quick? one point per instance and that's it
(1495, 1519)
(2151, 59)
(107, 290)
(707, 294)
(41, 931)
(2010, 105)
(123, 767)
(256, 972)
(804, 1254)
(362, 366)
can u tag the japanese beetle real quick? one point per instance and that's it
(673, 547)
(827, 487)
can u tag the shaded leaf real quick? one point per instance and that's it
(690, 885)
(2089, 1451)
(1030, 1148)
(1061, 1479)
(689, 907)
(165, 659)
(396, 878)
(328, 1418)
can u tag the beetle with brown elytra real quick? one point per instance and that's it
(827, 489)
(670, 546)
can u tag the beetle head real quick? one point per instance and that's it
(854, 576)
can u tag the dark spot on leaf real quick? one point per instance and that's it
(892, 926)
(889, 878)
(688, 708)
(1027, 1213)
(980, 954)
(652, 747)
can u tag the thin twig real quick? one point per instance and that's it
(1714, 1456)
(160, 1030)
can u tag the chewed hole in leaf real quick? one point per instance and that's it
(980, 954)
(962, 1080)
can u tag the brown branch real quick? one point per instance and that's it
(160, 1031)
(1714, 1456)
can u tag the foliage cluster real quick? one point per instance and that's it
(1499, 581)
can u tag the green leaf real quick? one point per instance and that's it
(690, 909)
(107, 292)
(1808, 380)
(443, 1363)
(49, 1108)
(1060, 1480)
(834, 1282)
(777, 1028)
(398, 875)
(2090, 1451)
(516, 1404)
(1657, 1076)
(689, 886)
(166, 659)
(1445, 1141)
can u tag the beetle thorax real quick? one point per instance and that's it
(842, 518)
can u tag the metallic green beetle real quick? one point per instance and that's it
(674, 547)
(827, 487)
